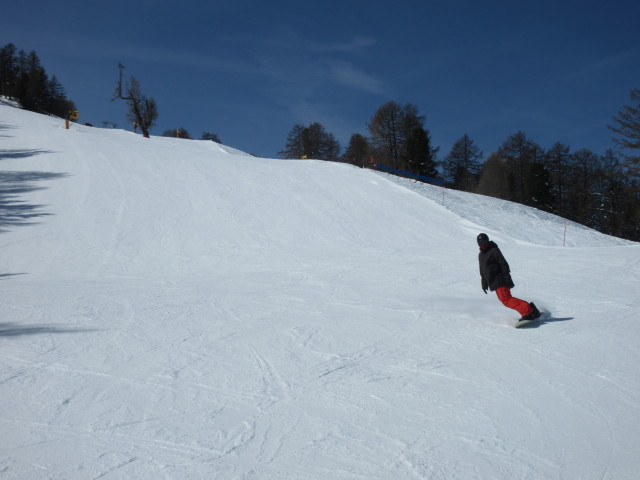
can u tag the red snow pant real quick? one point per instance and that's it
(504, 295)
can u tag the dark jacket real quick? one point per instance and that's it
(494, 269)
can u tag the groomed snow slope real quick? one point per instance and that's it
(175, 309)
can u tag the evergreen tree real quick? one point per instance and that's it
(518, 152)
(8, 70)
(537, 188)
(627, 125)
(557, 161)
(583, 200)
(23, 78)
(57, 102)
(312, 142)
(294, 147)
(494, 179)
(629, 223)
(462, 165)
(358, 151)
(32, 83)
(415, 141)
(611, 220)
(320, 144)
(420, 155)
(615, 199)
(399, 139)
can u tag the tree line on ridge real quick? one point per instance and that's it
(601, 191)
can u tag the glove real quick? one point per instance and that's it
(485, 286)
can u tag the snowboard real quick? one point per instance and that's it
(522, 323)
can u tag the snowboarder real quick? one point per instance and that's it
(496, 276)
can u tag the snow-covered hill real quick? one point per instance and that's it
(175, 309)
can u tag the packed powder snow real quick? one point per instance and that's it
(177, 309)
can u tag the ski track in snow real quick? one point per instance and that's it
(182, 310)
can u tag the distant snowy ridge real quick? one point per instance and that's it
(493, 215)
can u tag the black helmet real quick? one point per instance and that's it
(483, 239)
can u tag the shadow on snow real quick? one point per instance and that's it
(13, 184)
(544, 321)
(11, 329)
(13, 153)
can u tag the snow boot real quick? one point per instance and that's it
(535, 313)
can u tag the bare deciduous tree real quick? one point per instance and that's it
(142, 110)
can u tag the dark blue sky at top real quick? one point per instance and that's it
(250, 70)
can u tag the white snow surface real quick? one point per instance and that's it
(174, 309)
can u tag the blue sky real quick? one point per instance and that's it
(250, 70)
